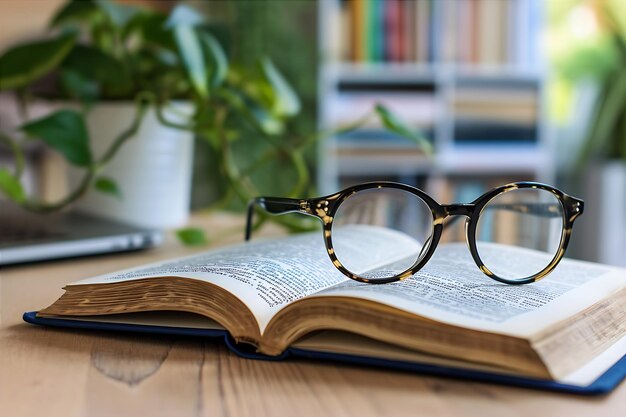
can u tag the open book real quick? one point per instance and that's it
(285, 293)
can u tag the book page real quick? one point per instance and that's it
(451, 289)
(267, 275)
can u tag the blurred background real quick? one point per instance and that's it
(504, 90)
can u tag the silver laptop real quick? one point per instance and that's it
(27, 237)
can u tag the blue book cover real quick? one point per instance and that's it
(602, 385)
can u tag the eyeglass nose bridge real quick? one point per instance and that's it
(458, 210)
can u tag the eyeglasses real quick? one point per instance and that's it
(382, 232)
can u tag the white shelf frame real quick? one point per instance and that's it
(527, 161)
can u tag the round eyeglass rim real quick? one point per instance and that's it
(471, 226)
(326, 207)
(397, 186)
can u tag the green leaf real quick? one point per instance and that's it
(102, 36)
(392, 123)
(64, 131)
(190, 52)
(597, 59)
(352, 126)
(11, 186)
(77, 86)
(75, 12)
(184, 15)
(253, 112)
(183, 22)
(120, 14)
(95, 65)
(266, 121)
(286, 101)
(150, 27)
(26, 63)
(213, 49)
(192, 236)
(108, 186)
(605, 121)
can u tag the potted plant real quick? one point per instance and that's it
(606, 145)
(599, 60)
(124, 68)
(99, 53)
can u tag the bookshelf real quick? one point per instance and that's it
(468, 73)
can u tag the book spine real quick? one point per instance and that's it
(489, 42)
(408, 15)
(511, 32)
(377, 33)
(247, 351)
(338, 20)
(357, 30)
(448, 35)
(369, 34)
(423, 22)
(464, 31)
(434, 37)
(400, 32)
(502, 25)
(391, 28)
(490, 132)
(523, 39)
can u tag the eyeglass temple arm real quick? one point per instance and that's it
(273, 205)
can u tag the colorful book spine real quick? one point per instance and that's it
(376, 36)
(471, 32)
(357, 41)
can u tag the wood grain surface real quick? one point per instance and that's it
(52, 372)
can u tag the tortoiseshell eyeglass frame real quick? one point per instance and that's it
(324, 208)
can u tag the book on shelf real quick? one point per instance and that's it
(284, 297)
(487, 131)
(416, 109)
(496, 113)
(503, 103)
(375, 151)
(484, 32)
(378, 139)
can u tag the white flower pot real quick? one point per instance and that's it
(152, 170)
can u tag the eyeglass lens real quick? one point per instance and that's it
(529, 221)
(381, 232)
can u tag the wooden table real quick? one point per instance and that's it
(52, 372)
